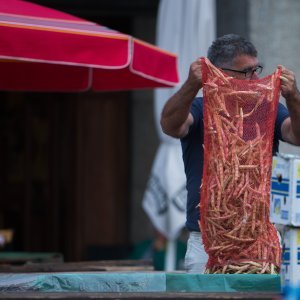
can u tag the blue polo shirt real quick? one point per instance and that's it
(192, 152)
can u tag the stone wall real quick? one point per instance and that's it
(274, 29)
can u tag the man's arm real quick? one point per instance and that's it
(290, 128)
(176, 117)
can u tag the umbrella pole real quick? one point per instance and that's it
(170, 259)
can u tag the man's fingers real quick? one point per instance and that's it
(284, 79)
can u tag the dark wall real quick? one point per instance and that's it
(92, 9)
(67, 184)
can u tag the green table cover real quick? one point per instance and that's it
(16, 256)
(137, 282)
(222, 283)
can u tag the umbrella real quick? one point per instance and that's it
(187, 28)
(42, 49)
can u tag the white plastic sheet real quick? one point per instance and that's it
(186, 28)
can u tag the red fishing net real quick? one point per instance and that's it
(239, 117)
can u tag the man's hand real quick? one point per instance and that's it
(290, 128)
(195, 74)
(288, 85)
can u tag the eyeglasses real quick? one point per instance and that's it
(248, 73)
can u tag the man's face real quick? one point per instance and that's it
(244, 67)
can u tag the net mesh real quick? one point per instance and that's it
(239, 117)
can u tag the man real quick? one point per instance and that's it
(182, 117)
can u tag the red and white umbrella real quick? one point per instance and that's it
(42, 49)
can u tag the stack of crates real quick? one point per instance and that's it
(285, 213)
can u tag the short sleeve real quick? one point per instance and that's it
(282, 114)
(197, 113)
